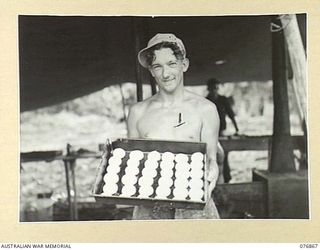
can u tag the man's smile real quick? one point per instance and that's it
(168, 80)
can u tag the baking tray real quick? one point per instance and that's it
(147, 146)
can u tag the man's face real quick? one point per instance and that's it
(167, 70)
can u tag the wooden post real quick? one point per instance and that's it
(153, 85)
(123, 103)
(297, 56)
(69, 164)
(282, 150)
(73, 179)
(66, 168)
(139, 35)
(298, 80)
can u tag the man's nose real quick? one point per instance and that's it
(165, 72)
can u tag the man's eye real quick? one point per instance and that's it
(173, 64)
(155, 67)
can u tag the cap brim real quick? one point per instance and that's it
(142, 57)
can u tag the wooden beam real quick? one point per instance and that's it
(281, 150)
(297, 57)
(40, 155)
(245, 143)
(255, 143)
(297, 62)
(51, 156)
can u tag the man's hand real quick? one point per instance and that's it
(211, 183)
(102, 166)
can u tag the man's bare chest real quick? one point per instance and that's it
(176, 123)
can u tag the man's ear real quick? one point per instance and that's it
(150, 70)
(185, 64)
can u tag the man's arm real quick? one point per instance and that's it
(209, 135)
(132, 121)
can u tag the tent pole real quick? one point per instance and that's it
(138, 34)
(153, 85)
(297, 61)
(297, 56)
(282, 150)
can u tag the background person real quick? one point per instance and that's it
(224, 109)
(223, 105)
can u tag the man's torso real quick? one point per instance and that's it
(160, 122)
(177, 122)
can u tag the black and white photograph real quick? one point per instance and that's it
(173, 117)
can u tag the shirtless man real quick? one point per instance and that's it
(174, 114)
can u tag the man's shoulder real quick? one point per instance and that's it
(141, 106)
(201, 101)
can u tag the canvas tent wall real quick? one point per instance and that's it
(64, 57)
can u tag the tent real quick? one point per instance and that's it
(64, 57)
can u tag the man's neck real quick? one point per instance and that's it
(169, 99)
